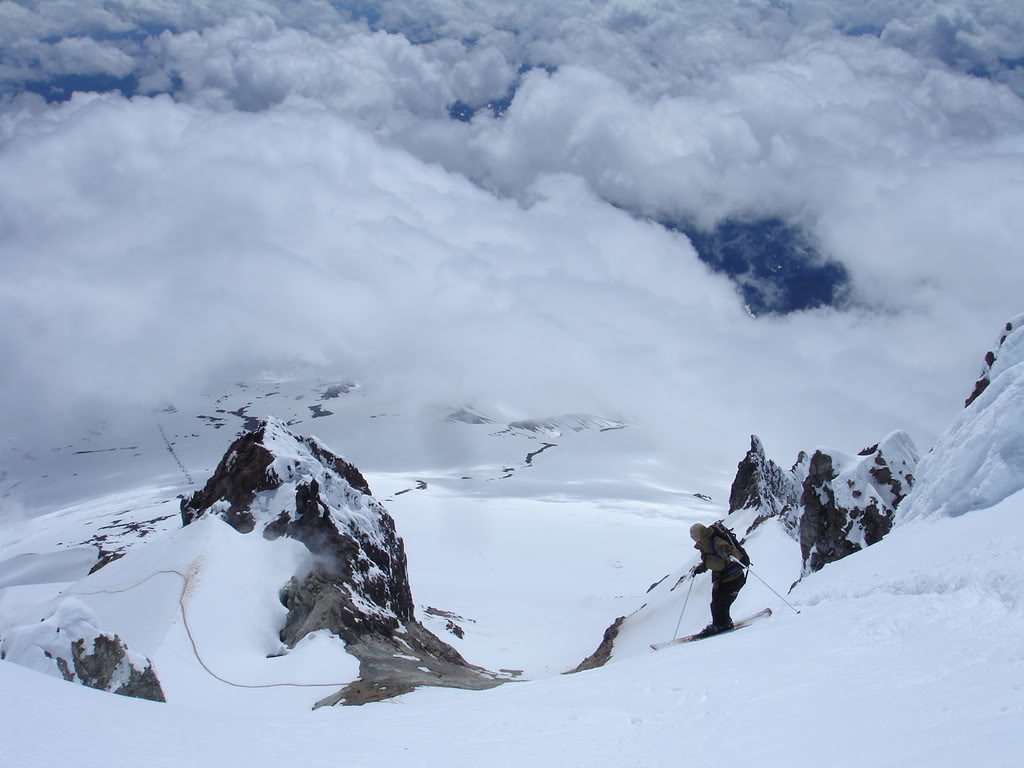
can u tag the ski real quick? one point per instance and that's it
(737, 625)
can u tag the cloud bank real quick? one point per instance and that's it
(287, 184)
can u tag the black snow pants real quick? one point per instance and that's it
(723, 594)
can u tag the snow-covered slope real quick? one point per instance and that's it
(906, 652)
(498, 254)
(979, 461)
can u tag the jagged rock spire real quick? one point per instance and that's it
(281, 484)
(763, 485)
(833, 504)
(285, 485)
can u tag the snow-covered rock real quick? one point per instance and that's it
(280, 484)
(831, 503)
(283, 485)
(849, 501)
(979, 460)
(70, 645)
(763, 485)
(990, 359)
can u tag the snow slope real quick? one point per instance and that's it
(905, 654)
(979, 461)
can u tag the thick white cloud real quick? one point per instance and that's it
(305, 196)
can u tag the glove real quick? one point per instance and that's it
(697, 569)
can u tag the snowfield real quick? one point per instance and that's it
(541, 272)
(908, 653)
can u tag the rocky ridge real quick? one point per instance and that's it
(763, 485)
(280, 484)
(842, 503)
(832, 503)
(850, 502)
(69, 644)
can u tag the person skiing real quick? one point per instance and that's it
(724, 557)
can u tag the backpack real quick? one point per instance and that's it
(726, 533)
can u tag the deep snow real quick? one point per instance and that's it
(907, 653)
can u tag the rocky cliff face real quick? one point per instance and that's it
(762, 485)
(69, 644)
(833, 504)
(849, 502)
(278, 484)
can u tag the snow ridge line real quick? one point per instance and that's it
(186, 583)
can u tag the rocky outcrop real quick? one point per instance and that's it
(285, 485)
(833, 504)
(762, 485)
(990, 359)
(849, 502)
(281, 484)
(69, 644)
(107, 667)
(604, 649)
(241, 474)
(413, 656)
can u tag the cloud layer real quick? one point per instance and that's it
(289, 186)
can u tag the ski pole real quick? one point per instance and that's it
(751, 570)
(689, 589)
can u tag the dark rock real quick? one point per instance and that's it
(979, 387)
(824, 526)
(65, 670)
(604, 650)
(451, 618)
(883, 474)
(391, 666)
(836, 524)
(249, 423)
(344, 469)
(105, 557)
(990, 359)
(99, 667)
(762, 485)
(239, 476)
(357, 586)
(325, 599)
(655, 584)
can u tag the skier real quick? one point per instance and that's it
(723, 556)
